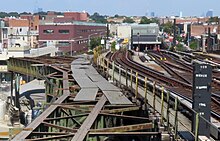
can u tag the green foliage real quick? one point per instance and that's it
(179, 47)
(128, 20)
(193, 45)
(98, 18)
(179, 39)
(13, 14)
(41, 13)
(116, 16)
(3, 14)
(10, 14)
(155, 20)
(97, 51)
(119, 16)
(167, 27)
(145, 20)
(113, 44)
(94, 42)
(16, 14)
(59, 13)
(25, 13)
(213, 19)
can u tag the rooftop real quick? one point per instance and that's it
(76, 23)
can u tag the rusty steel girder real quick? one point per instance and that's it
(66, 119)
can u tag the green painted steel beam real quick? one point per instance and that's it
(127, 128)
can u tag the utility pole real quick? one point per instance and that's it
(0, 32)
(209, 40)
(131, 39)
(174, 33)
(107, 36)
(218, 42)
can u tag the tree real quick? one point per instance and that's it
(193, 45)
(41, 13)
(98, 18)
(213, 19)
(145, 20)
(116, 16)
(128, 20)
(3, 14)
(155, 20)
(59, 13)
(179, 39)
(113, 44)
(180, 47)
(25, 13)
(167, 27)
(94, 42)
(13, 14)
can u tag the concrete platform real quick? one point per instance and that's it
(150, 64)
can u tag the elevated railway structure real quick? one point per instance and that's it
(82, 105)
(179, 84)
(176, 83)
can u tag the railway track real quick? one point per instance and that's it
(173, 84)
(187, 73)
(170, 70)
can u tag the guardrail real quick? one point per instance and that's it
(171, 104)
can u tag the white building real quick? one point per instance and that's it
(124, 31)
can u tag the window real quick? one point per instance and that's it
(44, 43)
(61, 43)
(48, 31)
(64, 31)
(2, 62)
(17, 45)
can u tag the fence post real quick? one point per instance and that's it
(126, 77)
(103, 62)
(131, 78)
(162, 104)
(136, 90)
(113, 71)
(119, 74)
(108, 68)
(197, 127)
(97, 61)
(145, 91)
(154, 96)
(176, 117)
(168, 111)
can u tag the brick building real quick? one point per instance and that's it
(22, 31)
(198, 30)
(52, 17)
(69, 37)
(77, 16)
(31, 21)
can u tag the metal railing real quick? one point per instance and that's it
(169, 104)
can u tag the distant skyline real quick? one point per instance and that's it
(120, 7)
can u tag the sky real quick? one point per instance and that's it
(121, 7)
